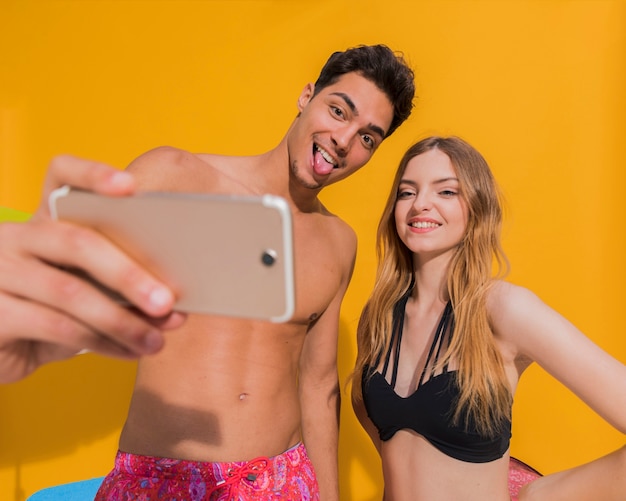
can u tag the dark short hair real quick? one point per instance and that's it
(379, 64)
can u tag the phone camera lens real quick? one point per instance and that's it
(268, 257)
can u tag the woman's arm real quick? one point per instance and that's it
(540, 334)
(366, 422)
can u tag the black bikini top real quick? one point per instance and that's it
(428, 411)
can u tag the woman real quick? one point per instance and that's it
(442, 342)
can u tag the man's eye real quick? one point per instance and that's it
(336, 111)
(368, 140)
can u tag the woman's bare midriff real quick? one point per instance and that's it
(221, 390)
(416, 471)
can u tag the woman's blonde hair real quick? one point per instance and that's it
(485, 396)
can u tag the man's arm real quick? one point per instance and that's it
(320, 396)
(49, 314)
(320, 401)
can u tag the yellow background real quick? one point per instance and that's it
(537, 86)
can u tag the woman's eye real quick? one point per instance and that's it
(448, 193)
(404, 194)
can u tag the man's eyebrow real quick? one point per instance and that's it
(348, 101)
(374, 128)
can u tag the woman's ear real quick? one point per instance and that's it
(305, 96)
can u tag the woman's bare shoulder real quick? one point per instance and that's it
(504, 296)
(510, 307)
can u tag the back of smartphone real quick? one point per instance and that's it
(223, 255)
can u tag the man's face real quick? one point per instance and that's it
(338, 130)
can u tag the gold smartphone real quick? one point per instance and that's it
(222, 255)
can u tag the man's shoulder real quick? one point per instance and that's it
(346, 230)
(333, 218)
(164, 156)
(335, 227)
(167, 167)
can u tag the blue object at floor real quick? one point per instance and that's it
(85, 490)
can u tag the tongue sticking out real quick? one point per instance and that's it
(321, 166)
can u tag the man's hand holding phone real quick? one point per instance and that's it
(50, 314)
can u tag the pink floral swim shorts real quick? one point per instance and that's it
(289, 475)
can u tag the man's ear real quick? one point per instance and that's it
(305, 96)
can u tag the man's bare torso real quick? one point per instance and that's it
(225, 389)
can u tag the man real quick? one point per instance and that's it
(223, 406)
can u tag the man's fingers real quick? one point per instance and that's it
(33, 247)
(77, 308)
(131, 337)
(87, 175)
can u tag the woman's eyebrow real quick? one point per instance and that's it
(436, 181)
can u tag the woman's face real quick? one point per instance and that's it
(430, 212)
